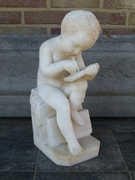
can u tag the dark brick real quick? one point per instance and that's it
(44, 17)
(10, 17)
(24, 3)
(119, 31)
(55, 30)
(119, 4)
(111, 18)
(75, 4)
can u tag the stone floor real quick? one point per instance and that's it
(21, 160)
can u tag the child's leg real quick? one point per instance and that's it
(57, 100)
(76, 92)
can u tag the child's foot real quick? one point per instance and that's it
(75, 148)
(77, 117)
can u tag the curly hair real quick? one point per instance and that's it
(79, 20)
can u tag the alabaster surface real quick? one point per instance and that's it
(61, 126)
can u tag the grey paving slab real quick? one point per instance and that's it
(110, 106)
(16, 175)
(98, 106)
(132, 175)
(15, 106)
(82, 176)
(124, 133)
(18, 72)
(22, 42)
(17, 151)
(108, 159)
(116, 75)
(33, 42)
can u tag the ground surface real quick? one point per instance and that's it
(21, 160)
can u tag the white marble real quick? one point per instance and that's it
(56, 104)
(60, 154)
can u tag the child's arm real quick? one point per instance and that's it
(91, 71)
(46, 65)
(50, 69)
(88, 72)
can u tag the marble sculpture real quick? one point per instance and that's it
(61, 127)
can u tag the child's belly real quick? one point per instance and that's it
(57, 81)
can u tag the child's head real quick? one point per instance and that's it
(79, 31)
(80, 20)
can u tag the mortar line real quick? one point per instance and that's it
(90, 9)
(18, 9)
(81, 171)
(101, 4)
(101, 30)
(48, 30)
(120, 26)
(48, 5)
(35, 171)
(127, 18)
(58, 25)
(22, 18)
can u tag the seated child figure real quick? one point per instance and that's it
(61, 56)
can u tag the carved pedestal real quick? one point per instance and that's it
(49, 139)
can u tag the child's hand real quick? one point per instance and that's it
(71, 66)
(92, 70)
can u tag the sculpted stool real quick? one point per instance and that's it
(61, 127)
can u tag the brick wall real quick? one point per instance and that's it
(44, 16)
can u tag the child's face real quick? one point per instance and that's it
(74, 44)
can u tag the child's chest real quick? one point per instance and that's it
(59, 57)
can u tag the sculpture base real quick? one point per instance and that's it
(60, 154)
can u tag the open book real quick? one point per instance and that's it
(75, 76)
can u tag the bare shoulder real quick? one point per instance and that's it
(49, 45)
